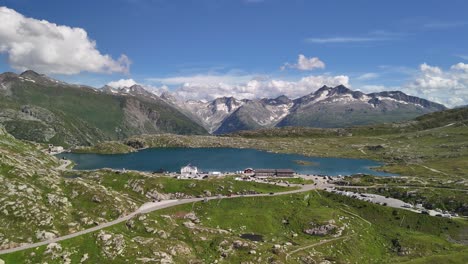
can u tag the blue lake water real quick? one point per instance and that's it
(221, 159)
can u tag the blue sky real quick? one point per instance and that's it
(377, 45)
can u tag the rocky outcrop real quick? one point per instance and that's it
(321, 230)
(112, 245)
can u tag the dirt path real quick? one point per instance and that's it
(434, 170)
(353, 214)
(317, 244)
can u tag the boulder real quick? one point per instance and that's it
(45, 235)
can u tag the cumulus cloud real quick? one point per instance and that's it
(305, 64)
(50, 48)
(258, 88)
(449, 87)
(122, 83)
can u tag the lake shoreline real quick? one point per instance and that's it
(221, 159)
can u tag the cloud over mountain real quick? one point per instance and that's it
(449, 87)
(258, 88)
(305, 64)
(122, 83)
(50, 48)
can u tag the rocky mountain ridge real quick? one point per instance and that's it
(327, 107)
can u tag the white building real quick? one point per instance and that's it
(55, 149)
(189, 170)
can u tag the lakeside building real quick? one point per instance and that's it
(189, 170)
(284, 173)
(249, 171)
(265, 173)
(274, 173)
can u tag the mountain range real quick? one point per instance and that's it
(328, 107)
(38, 108)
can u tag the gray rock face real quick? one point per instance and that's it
(326, 107)
(342, 107)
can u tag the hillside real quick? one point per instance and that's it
(38, 108)
(218, 232)
(40, 200)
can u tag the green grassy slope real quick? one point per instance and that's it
(72, 115)
(210, 232)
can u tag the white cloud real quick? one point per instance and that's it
(204, 79)
(122, 83)
(258, 88)
(449, 87)
(460, 66)
(376, 35)
(343, 39)
(368, 76)
(50, 48)
(305, 64)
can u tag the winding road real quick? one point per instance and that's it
(154, 206)
(147, 208)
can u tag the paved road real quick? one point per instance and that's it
(151, 207)
(147, 208)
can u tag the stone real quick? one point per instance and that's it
(189, 224)
(96, 199)
(84, 258)
(142, 217)
(105, 237)
(162, 234)
(45, 235)
(192, 217)
(149, 230)
(53, 247)
(130, 223)
(320, 230)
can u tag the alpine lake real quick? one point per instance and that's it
(223, 160)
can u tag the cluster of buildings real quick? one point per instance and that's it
(191, 171)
